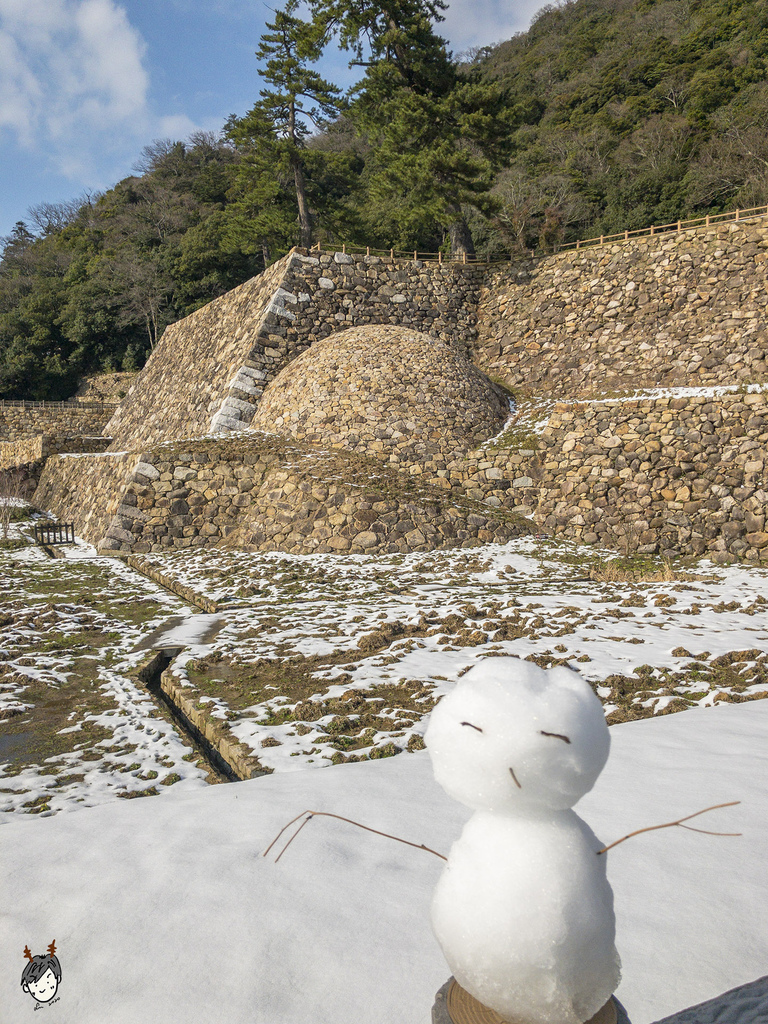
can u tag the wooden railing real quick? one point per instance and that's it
(402, 254)
(54, 533)
(71, 403)
(677, 226)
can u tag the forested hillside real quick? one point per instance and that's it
(632, 113)
(605, 115)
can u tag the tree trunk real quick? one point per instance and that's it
(461, 239)
(305, 218)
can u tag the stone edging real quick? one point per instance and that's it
(215, 731)
(187, 593)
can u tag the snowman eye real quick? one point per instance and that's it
(557, 735)
(472, 726)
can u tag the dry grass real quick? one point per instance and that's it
(617, 572)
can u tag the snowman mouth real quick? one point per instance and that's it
(555, 735)
(512, 773)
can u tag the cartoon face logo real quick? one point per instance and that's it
(41, 976)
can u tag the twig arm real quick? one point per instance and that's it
(670, 824)
(328, 814)
(283, 830)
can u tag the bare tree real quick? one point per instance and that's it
(733, 165)
(12, 491)
(51, 217)
(156, 154)
(657, 143)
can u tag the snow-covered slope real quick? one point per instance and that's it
(165, 910)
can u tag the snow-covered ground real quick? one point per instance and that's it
(75, 728)
(316, 658)
(651, 647)
(165, 910)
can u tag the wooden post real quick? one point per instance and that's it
(737, 215)
(651, 228)
(440, 258)
(414, 255)
(678, 227)
(463, 257)
(578, 243)
(344, 247)
(601, 239)
(626, 235)
(367, 250)
(707, 221)
(392, 254)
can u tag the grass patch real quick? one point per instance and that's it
(726, 678)
(514, 439)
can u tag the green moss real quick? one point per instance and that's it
(514, 439)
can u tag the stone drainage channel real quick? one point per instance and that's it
(230, 760)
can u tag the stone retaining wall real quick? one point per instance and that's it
(260, 492)
(84, 489)
(187, 376)
(673, 309)
(680, 475)
(34, 449)
(19, 420)
(683, 475)
(209, 370)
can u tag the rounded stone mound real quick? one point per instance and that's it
(386, 391)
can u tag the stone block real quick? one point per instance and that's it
(232, 406)
(129, 512)
(222, 422)
(366, 539)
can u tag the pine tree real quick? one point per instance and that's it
(274, 133)
(431, 131)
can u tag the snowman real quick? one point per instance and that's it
(523, 910)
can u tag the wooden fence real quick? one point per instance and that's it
(402, 254)
(54, 533)
(72, 403)
(678, 226)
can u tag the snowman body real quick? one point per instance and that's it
(523, 910)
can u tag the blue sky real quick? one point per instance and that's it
(85, 84)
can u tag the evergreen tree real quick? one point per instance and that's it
(430, 129)
(396, 32)
(274, 133)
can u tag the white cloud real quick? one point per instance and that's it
(179, 126)
(72, 78)
(482, 22)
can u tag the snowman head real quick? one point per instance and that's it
(513, 736)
